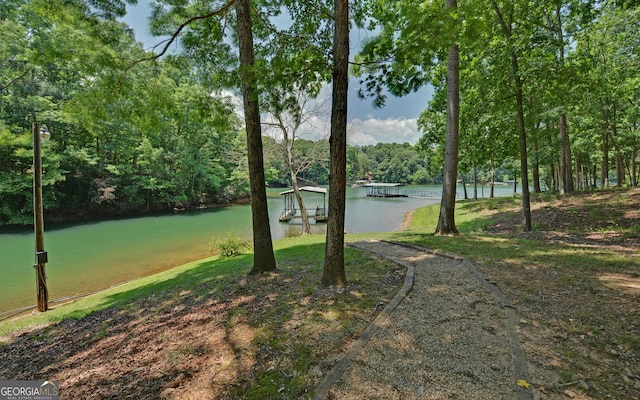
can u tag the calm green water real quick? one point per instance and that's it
(84, 258)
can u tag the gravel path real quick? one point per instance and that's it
(449, 335)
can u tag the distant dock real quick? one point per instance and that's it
(385, 190)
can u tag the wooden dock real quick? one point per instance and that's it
(385, 190)
(430, 194)
(291, 211)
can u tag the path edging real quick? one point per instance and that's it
(518, 358)
(519, 362)
(339, 369)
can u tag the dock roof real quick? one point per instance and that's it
(313, 189)
(383, 184)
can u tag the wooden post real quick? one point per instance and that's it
(38, 219)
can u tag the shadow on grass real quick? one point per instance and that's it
(528, 253)
(91, 350)
(206, 327)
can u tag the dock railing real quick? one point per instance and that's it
(433, 194)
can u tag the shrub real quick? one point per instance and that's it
(229, 245)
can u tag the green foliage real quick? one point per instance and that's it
(229, 245)
(126, 136)
(574, 58)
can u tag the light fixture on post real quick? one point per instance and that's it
(40, 133)
(44, 133)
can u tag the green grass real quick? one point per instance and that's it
(123, 294)
(202, 276)
(472, 219)
(471, 216)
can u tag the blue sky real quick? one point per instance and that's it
(396, 122)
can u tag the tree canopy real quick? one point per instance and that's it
(130, 136)
(126, 136)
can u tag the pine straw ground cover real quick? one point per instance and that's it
(210, 332)
(575, 281)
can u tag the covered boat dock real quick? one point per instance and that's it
(385, 190)
(290, 205)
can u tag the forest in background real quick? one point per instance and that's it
(135, 136)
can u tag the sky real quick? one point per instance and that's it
(394, 123)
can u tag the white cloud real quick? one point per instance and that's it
(361, 132)
(391, 130)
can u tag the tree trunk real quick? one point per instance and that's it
(333, 273)
(604, 171)
(522, 131)
(524, 170)
(578, 178)
(620, 176)
(536, 168)
(306, 227)
(493, 178)
(263, 259)
(566, 166)
(475, 182)
(634, 154)
(42, 293)
(446, 220)
(587, 175)
(464, 187)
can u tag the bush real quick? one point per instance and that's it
(229, 245)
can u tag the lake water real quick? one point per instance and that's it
(87, 257)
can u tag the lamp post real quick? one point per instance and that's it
(39, 133)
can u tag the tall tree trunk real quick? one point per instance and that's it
(446, 220)
(263, 258)
(604, 171)
(522, 131)
(493, 178)
(536, 168)
(464, 187)
(587, 174)
(333, 273)
(620, 176)
(566, 166)
(475, 182)
(578, 178)
(634, 154)
(288, 143)
(619, 159)
(306, 226)
(524, 170)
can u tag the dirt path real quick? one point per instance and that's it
(452, 336)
